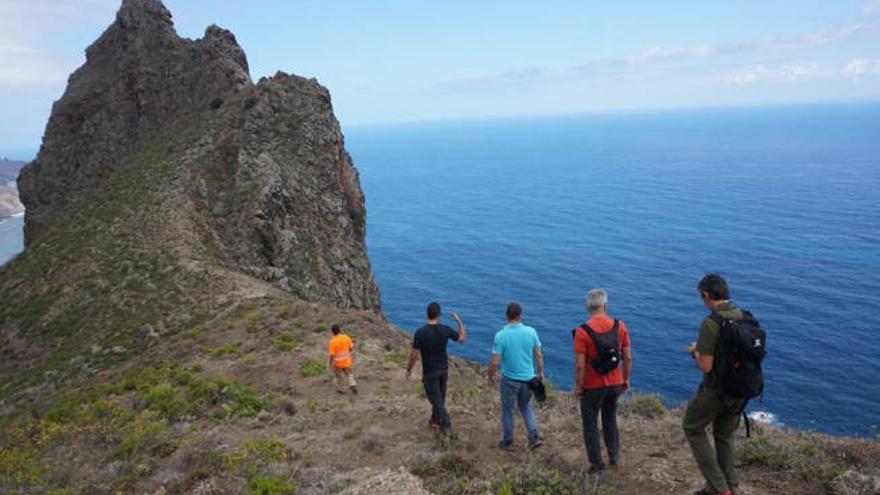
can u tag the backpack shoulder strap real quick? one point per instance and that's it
(589, 330)
(615, 332)
(749, 317)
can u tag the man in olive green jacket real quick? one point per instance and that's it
(709, 405)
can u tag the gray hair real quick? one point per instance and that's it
(597, 298)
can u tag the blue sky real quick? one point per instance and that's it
(387, 61)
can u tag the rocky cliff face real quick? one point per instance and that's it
(256, 178)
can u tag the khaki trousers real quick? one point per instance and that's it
(717, 464)
(344, 379)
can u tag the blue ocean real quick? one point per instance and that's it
(11, 237)
(784, 202)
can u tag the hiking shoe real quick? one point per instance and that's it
(536, 442)
(354, 390)
(596, 469)
(505, 445)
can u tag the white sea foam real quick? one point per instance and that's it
(764, 417)
(17, 215)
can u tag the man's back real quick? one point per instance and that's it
(516, 344)
(340, 348)
(430, 341)
(709, 341)
(584, 344)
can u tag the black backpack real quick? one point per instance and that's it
(607, 347)
(741, 375)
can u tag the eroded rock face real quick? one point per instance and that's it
(138, 76)
(268, 183)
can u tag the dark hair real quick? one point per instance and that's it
(514, 311)
(335, 329)
(433, 311)
(714, 285)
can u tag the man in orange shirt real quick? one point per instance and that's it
(603, 365)
(340, 350)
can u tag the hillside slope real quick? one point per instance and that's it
(242, 403)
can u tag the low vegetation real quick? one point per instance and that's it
(645, 405)
(133, 418)
(311, 367)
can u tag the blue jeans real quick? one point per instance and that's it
(514, 393)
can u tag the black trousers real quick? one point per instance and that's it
(435, 390)
(592, 402)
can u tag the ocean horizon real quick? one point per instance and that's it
(781, 200)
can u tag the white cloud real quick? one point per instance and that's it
(870, 8)
(22, 66)
(859, 68)
(30, 28)
(799, 72)
(659, 53)
(854, 70)
(748, 75)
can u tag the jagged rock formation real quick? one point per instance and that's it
(255, 178)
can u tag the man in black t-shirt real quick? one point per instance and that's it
(429, 343)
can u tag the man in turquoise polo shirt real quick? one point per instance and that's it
(518, 350)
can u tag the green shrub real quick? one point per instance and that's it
(398, 357)
(805, 457)
(239, 400)
(320, 328)
(216, 103)
(225, 350)
(645, 405)
(256, 453)
(449, 464)
(254, 322)
(471, 393)
(286, 341)
(270, 485)
(310, 368)
(534, 482)
(163, 398)
(146, 436)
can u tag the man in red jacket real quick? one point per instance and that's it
(603, 366)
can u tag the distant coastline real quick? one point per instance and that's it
(10, 205)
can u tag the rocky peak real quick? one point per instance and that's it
(143, 13)
(138, 76)
(260, 171)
